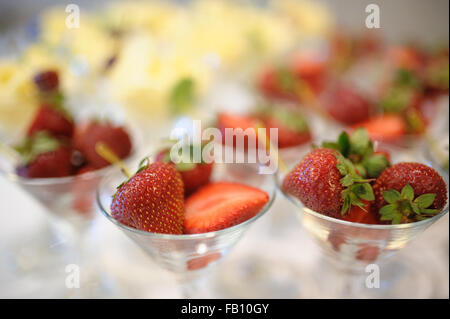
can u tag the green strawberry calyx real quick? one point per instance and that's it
(402, 207)
(359, 149)
(356, 188)
(40, 143)
(290, 119)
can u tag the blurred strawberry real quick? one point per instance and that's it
(386, 127)
(87, 135)
(47, 81)
(348, 106)
(53, 120)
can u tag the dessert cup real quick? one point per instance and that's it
(188, 257)
(67, 240)
(352, 251)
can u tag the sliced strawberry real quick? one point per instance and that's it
(202, 261)
(221, 205)
(311, 69)
(52, 120)
(386, 127)
(87, 135)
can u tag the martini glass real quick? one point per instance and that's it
(69, 238)
(356, 256)
(189, 257)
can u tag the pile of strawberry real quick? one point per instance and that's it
(56, 146)
(347, 180)
(169, 198)
(404, 102)
(292, 127)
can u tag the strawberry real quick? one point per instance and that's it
(51, 119)
(406, 58)
(236, 121)
(47, 81)
(200, 262)
(311, 69)
(327, 183)
(292, 128)
(87, 135)
(44, 156)
(278, 83)
(386, 127)
(151, 200)
(194, 175)
(221, 205)
(348, 106)
(408, 192)
(363, 215)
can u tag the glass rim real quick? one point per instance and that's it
(295, 202)
(14, 177)
(106, 212)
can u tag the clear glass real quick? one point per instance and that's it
(189, 257)
(348, 248)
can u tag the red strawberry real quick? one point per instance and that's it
(194, 175)
(87, 135)
(47, 81)
(367, 253)
(408, 192)
(386, 127)
(361, 215)
(202, 261)
(52, 120)
(406, 58)
(152, 200)
(327, 183)
(278, 84)
(292, 127)
(221, 205)
(311, 69)
(348, 106)
(54, 163)
(235, 121)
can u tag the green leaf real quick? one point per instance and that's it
(425, 200)
(375, 164)
(364, 191)
(415, 208)
(408, 192)
(429, 211)
(143, 164)
(345, 205)
(360, 141)
(344, 144)
(290, 119)
(40, 143)
(347, 180)
(182, 167)
(331, 145)
(182, 95)
(392, 196)
(397, 219)
(387, 212)
(361, 169)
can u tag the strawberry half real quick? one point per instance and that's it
(152, 200)
(87, 135)
(221, 205)
(386, 127)
(327, 183)
(237, 121)
(51, 119)
(194, 175)
(408, 192)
